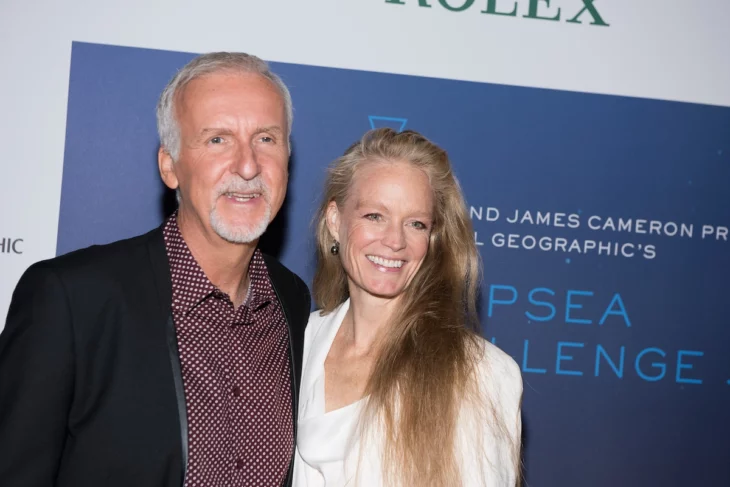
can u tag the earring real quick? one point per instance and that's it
(335, 249)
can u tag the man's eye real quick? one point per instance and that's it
(216, 140)
(267, 139)
(373, 217)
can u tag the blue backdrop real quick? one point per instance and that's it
(602, 222)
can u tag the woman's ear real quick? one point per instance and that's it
(332, 217)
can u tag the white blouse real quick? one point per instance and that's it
(328, 452)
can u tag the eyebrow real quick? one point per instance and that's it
(271, 128)
(359, 205)
(275, 129)
(214, 130)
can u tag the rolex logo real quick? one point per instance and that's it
(549, 10)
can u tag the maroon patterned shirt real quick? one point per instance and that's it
(235, 370)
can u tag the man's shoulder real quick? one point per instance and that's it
(281, 275)
(293, 293)
(97, 260)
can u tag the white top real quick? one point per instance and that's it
(328, 452)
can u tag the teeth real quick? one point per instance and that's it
(243, 197)
(385, 262)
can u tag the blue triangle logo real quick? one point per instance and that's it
(397, 124)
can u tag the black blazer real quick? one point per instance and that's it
(90, 384)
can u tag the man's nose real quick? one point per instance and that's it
(245, 162)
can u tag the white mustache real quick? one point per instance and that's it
(238, 185)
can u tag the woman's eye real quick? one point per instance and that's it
(419, 225)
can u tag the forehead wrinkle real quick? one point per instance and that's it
(209, 94)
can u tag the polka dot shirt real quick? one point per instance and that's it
(236, 376)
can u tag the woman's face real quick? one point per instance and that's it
(384, 227)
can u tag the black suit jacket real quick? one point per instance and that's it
(90, 384)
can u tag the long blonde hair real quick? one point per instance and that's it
(425, 366)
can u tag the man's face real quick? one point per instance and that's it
(232, 167)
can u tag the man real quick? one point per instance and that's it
(172, 358)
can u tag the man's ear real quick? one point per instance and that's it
(332, 217)
(167, 168)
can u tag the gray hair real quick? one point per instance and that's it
(214, 62)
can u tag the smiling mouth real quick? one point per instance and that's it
(241, 197)
(392, 264)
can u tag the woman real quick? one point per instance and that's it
(397, 386)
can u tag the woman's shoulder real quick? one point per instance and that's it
(498, 370)
(319, 318)
(320, 322)
(316, 318)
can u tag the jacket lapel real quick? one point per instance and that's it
(295, 306)
(295, 303)
(322, 332)
(163, 283)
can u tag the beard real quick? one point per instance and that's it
(251, 230)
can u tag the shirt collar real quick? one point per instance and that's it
(191, 286)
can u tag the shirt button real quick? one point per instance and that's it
(239, 464)
(236, 391)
